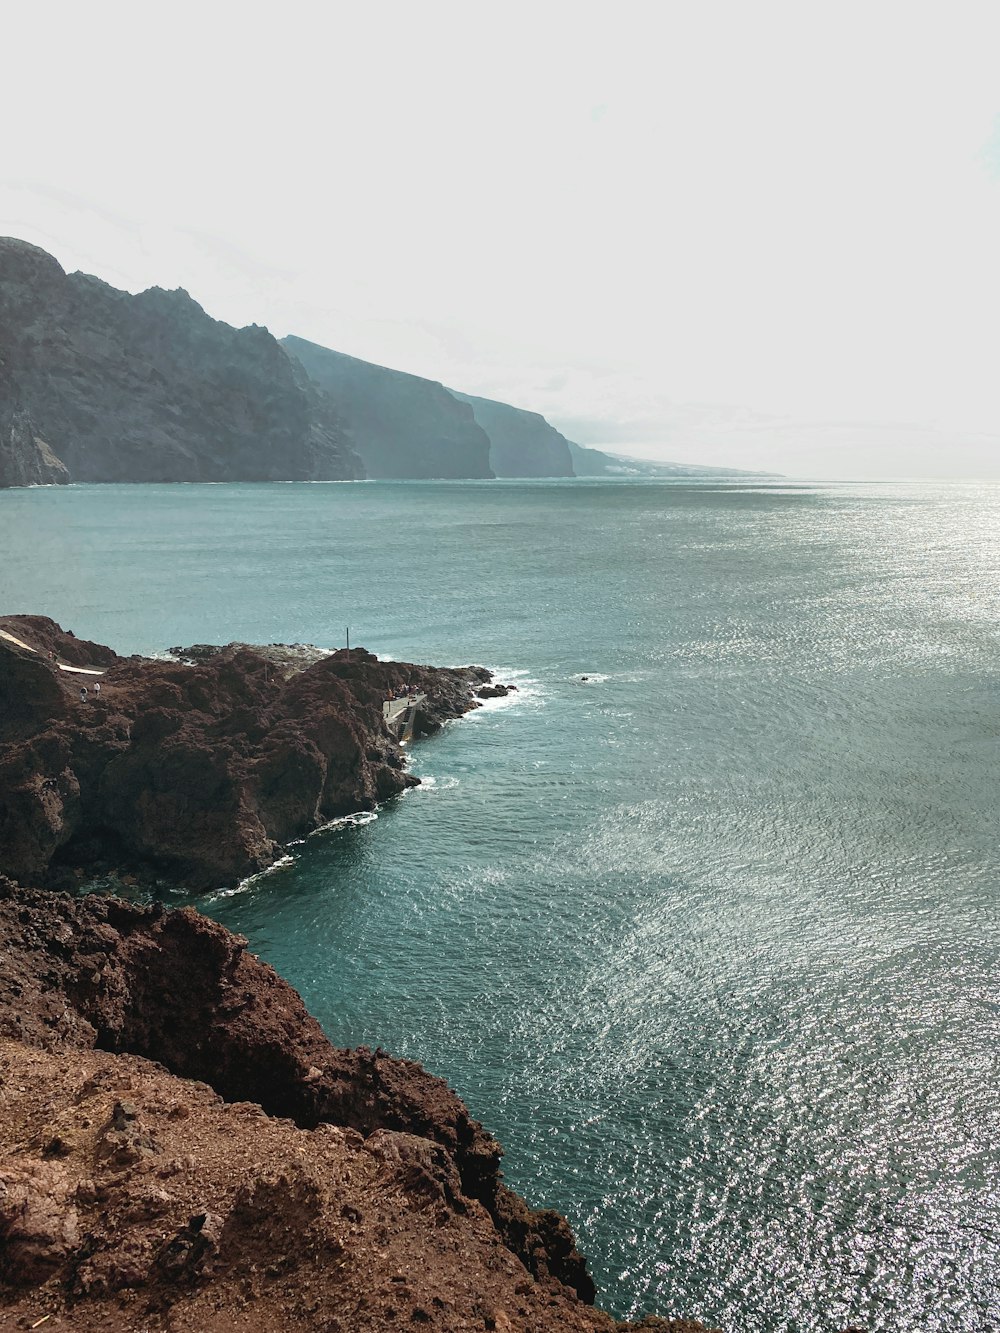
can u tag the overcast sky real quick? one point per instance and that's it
(757, 234)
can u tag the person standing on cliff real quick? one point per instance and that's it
(83, 694)
(97, 687)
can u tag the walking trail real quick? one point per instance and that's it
(63, 666)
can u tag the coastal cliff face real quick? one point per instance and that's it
(201, 772)
(522, 444)
(331, 1189)
(115, 387)
(399, 424)
(25, 458)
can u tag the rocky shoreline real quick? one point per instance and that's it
(199, 768)
(181, 1146)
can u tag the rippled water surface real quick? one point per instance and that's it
(709, 940)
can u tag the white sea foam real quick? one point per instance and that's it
(282, 863)
(428, 782)
(360, 818)
(529, 691)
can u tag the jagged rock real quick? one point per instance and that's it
(259, 1225)
(330, 1190)
(497, 691)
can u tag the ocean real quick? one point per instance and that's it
(702, 922)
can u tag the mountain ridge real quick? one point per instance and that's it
(103, 385)
(147, 387)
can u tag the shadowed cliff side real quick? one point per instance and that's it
(25, 458)
(119, 387)
(522, 443)
(119, 1184)
(399, 424)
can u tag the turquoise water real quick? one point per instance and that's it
(710, 940)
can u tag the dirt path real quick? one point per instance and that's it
(63, 666)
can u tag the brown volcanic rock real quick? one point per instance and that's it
(49, 641)
(226, 1219)
(199, 773)
(147, 387)
(179, 989)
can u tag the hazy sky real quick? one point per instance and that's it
(760, 234)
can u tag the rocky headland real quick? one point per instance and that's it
(198, 770)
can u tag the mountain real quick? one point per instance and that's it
(399, 424)
(522, 443)
(99, 385)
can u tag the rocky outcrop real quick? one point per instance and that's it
(331, 1189)
(197, 773)
(400, 425)
(522, 443)
(117, 387)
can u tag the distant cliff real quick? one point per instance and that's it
(522, 443)
(99, 385)
(595, 463)
(108, 386)
(399, 424)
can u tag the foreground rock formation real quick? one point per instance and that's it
(199, 773)
(182, 1148)
(25, 458)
